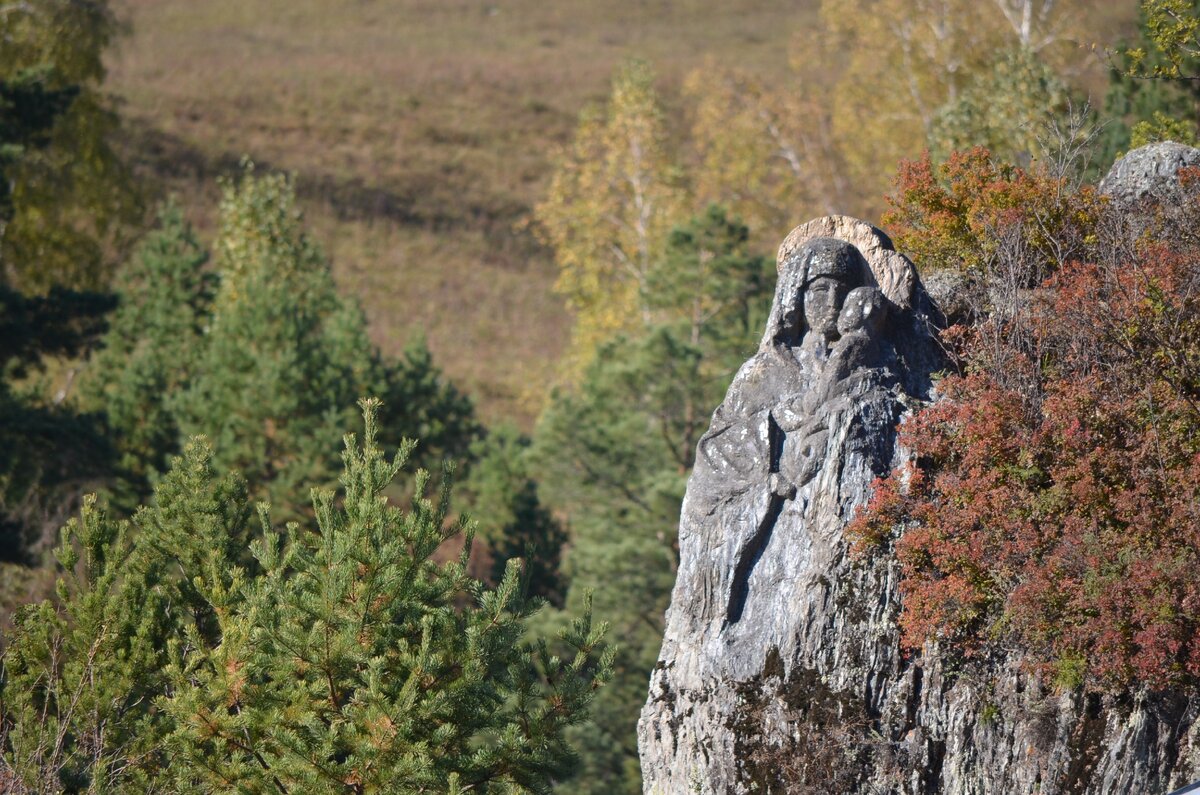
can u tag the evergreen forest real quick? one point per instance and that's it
(354, 358)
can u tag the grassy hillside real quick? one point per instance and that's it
(419, 133)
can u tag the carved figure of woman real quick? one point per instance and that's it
(772, 394)
(807, 422)
(852, 361)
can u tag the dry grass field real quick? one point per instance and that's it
(419, 132)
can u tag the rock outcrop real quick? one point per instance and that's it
(1149, 173)
(781, 669)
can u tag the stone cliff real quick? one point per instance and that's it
(781, 669)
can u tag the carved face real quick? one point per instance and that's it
(863, 310)
(823, 298)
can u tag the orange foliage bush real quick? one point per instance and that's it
(955, 215)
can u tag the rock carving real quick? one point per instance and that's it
(808, 423)
(780, 670)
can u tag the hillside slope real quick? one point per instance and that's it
(420, 134)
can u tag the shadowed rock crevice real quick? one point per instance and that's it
(749, 557)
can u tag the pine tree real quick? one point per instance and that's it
(283, 358)
(151, 348)
(615, 453)
(336, 657)
(45, 84)
(513, 520)
(66, 199)
(81, 674)
(259, 353)
(419, 403)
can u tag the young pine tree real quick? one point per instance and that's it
(513, 519)
(283, 357)
(258, 353)
(81, 676)
(151, 349)
(333, 658)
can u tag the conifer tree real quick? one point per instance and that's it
(615, 454)
(419, 403)
(151, 349)
(259, 353)
(64, 201)
(283, 356)
(81, 675)
(336, 657)
(65, 196)
(513, 519)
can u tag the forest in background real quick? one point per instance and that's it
(542, 236)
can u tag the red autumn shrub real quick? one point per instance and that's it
(1064, 520)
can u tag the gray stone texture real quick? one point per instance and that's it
(1149, 173)
(781, 669)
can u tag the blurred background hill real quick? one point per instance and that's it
(422, 133)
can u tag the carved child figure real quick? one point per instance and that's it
(863, 315)
(855, 352)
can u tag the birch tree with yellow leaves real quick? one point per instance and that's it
(763, 152)
(613, 199)
(874, 82)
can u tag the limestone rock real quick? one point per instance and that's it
(781, 669)
(950, 292)
(1149, 173)
(766, 624)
